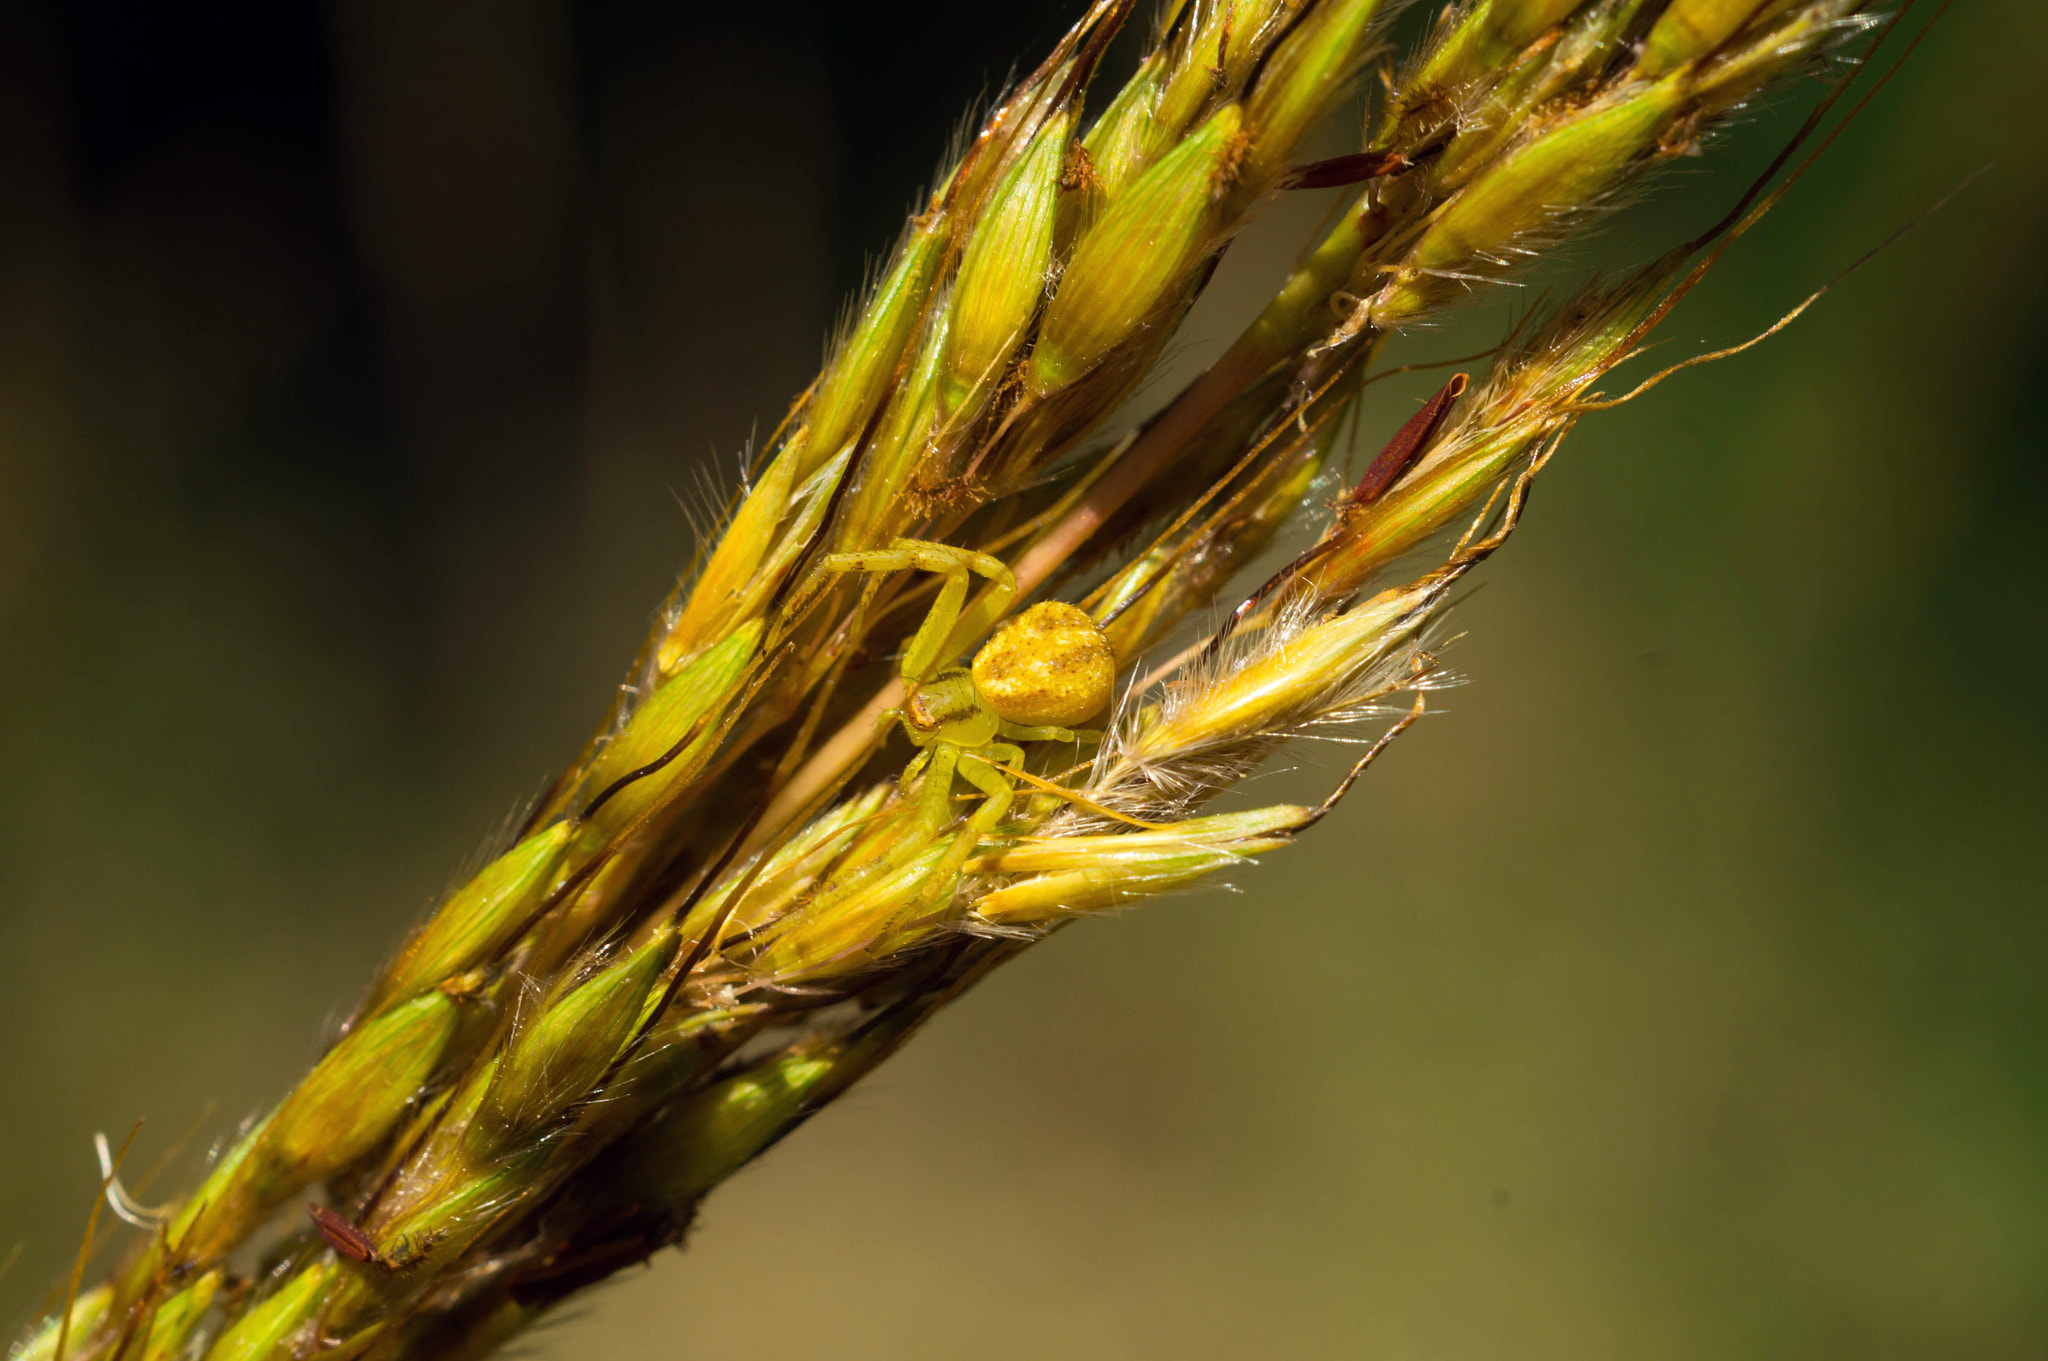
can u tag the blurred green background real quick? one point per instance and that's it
(1681, 991)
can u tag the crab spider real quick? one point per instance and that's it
(1039, 673)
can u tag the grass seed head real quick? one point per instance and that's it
(559, 1056)
(179, 1316)
(1028, 300)
(1690, 29)
(1003, 274)
(262, 1332)
(357, 1094)
(1060, 877)
(1136, 260)
(1306, 74)
(725, 1127)
(479, 920)
(867, 361)
(675, 725)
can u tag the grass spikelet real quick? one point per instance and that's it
(1004, 269)
(1124, 271)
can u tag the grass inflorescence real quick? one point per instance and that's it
(746, 893)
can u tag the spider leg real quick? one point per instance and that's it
(975, 768)
(935, 796)
(917, 763)
(1017, 732)
(927, 651)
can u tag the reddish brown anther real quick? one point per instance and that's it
(1356, 168)
(1408, 442)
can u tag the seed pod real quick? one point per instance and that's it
(842, 932)
(1205, 59)
(1305, 75)
(684, 1047)
(1002, 276)
(1176, 84)
(774, 529)
(1524, 400)
(1690, 29)
(1484, 36)
(216, 1216)
(1137, 257)
(356, 1094)
(1159, 589)
(347, 1105)
(1117, 146)
(558, 1058)
(1075, 874)
(1516, 23)
(1583, 48)
(1215, 831)
(1295, 681)
(869, 358)
(734, 1121)
(261, 1333)
(1406, 516)
(878, 508)
(480, 919)
(791, 873)
(414, 1246)
(727, 1125)
(735, 563)
(1768, 54)
(1565, 170)
(385, 1272)
(178, 1316)
(665, 736)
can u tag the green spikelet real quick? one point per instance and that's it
(1136, 258)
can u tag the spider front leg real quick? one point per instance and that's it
(917, 763)
(928, 650)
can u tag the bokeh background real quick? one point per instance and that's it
(1681, 992)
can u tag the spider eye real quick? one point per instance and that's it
(1050, 665)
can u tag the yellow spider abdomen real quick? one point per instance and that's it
(1051, 665)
